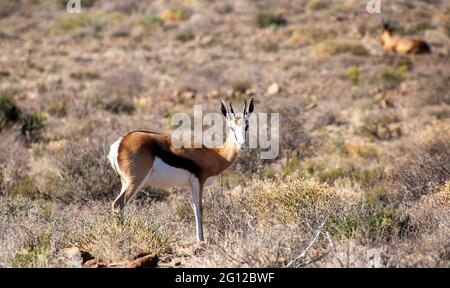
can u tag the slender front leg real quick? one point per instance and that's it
(197, 189)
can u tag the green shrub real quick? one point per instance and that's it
(310, 35)
(370, 223)
(333, 47)
(32, 125)
(447, 29)
(9, 112)
(316, 5)
(151, 21)
(118, 105)
(71, 22)
(240, 86)
(353, 75)
(185, 36)
(393, 76)
(34, 256)
(265, 19)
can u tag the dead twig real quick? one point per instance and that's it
(319, 229)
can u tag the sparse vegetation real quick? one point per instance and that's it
(353, 75)
(316, 5)
(9, 112)
(265, 19)
(335, 47)
(175, 14)
(393, 76)
(114, 238)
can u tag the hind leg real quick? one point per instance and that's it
(119, 202)
(134, 173)
(129, 189)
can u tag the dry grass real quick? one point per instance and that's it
(330, 48)
(115, 238)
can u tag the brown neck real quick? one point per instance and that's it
(229, 150)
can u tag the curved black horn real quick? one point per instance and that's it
(245, 106)
(231, 108)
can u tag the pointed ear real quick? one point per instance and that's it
(251, 106)
(223, 109)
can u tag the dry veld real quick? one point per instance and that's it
(363, 174)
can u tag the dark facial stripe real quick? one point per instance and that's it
(176, 161)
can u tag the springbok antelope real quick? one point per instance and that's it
(402, 45)
(143, 157)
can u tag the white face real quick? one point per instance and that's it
(238, 126)
(238, 122)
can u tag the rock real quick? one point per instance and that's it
(137, 32)
(185, 94)
(374, 259)
(147, 261)
(214, 94)
(70, 257)
(273, 89)
(95, 263)
(188, 94)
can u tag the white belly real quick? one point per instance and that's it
(163, 175)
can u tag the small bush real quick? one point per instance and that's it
(71, 22)
(310, 35)
(7, 7)
(115, 238)
(427, 166)
(370, 224)
(447, 29)
(15, 179)
(32, 125)
(9, 112)
(431, 211)
(34, 256)
(335, 47)
(353, 75)
(175, 14)
(316, 5)
(151, 21)
(185, 36)
(266, 19)
(118, 105)
(240, 86)
(84, 172)
(286, 200)
(393, 76)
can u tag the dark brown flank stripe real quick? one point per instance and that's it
(169, 158)
(175, 161)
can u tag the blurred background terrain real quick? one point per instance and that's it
(363, 173)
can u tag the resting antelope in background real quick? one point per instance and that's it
(402, 45)
(141, 157)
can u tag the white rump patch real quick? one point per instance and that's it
(113, 154)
